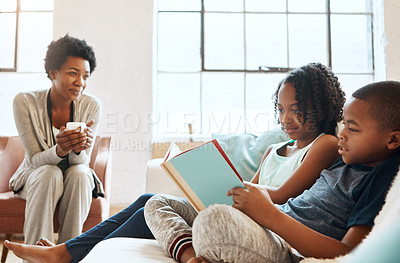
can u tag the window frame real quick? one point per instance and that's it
(18, 12)
(262, 69)
(269, 69)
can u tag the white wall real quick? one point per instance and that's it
(392, 38)
(120, 32)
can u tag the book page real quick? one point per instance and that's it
(173, 151)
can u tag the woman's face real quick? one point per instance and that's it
(290, 117)
(70, 81)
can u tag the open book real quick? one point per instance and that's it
(204, 174)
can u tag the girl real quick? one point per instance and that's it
(308, 101)
(309, 104)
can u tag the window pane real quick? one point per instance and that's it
(177, 103)
(7, 40)
(223, 5)
(8, 5)
(306, 6)
(179, 5)
(350, 6)
(266, 5)
(351, 44)
(307, 39)
(260, 89)
(266, 40)
(179, 42)
(351, 83)
(35, 35)
(223, 41)
(223, 104)
(29, 5)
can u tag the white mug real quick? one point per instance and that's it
(74, 125)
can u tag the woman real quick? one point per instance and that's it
(56, 165)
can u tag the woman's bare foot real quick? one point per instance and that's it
(45, 242)
(40, 254)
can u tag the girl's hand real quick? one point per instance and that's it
(254, 201)
(88, 142)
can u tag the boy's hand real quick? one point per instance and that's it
(254, 201)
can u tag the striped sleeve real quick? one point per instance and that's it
(179, 245)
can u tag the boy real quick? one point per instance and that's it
(333, 216)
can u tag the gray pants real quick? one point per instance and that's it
(170, 220)
(47, 186)
(220, 233)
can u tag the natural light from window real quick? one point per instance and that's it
(209, 53)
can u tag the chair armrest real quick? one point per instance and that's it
(101, 161)
(11, 156)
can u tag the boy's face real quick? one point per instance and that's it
(361, 141)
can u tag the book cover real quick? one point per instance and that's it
(204, 174)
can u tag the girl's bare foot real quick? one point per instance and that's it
(187, 254)
(40, 254)
(45, 242)
(197, 260)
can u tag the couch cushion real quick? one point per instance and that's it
(121, 249)
(246, 150)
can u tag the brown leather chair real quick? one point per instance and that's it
(12, 209)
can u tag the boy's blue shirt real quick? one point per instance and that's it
(345, 195)
(372, 190)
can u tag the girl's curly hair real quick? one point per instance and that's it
(318, 94)
(59, 50)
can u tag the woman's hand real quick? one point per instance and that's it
(255, 202)
(67, 140)
(89, 138)
(74, 140)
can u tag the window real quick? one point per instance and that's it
(219, 61)
(26, 29)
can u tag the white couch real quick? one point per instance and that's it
(380, 246)
(377, 247)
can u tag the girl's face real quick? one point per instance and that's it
(70, 81)
(290, 117)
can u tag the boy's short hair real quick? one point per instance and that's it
(384, 100)
(59, 50)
